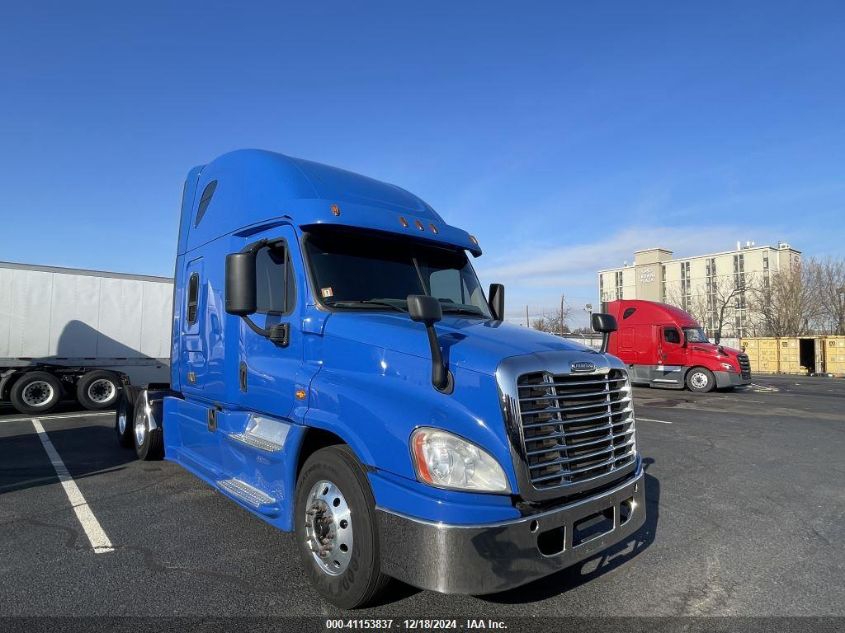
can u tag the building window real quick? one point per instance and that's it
(739, 301)
(686, 286)
(663, 282)
(619, 284)
(712, 299)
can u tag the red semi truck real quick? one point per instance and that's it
(665, 347)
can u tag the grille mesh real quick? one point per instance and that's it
(744, 366)
(575, 427)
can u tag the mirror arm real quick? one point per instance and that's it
(439, 373)
(255, 327)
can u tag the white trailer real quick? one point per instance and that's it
(83, 333)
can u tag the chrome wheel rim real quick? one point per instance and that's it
(699, 380)
(121, 421)
(38, 393)
(102, 391)
(328, 528)
(140, 426)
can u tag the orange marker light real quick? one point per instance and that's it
(473, 239)
(433, 229)
(420, 225)
(403, 221)
(335, 210)
(300, 394)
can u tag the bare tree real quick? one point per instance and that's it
(827, 278)
(554, 322)
(711, 303)
(785, 301)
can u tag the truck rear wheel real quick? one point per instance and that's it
(146, 427)
(700, 379)
(123, 419)
(36, 392)
(336, 528)
(98, 390)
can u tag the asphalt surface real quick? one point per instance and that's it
(746, 516)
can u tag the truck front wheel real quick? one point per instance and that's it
(336, 529)
(700, 379)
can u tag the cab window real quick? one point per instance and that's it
(671, 335)
(274, 284)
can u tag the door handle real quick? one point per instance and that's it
(280, 334)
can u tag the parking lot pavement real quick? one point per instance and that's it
(746, 510)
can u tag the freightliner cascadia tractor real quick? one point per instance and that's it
(338, 371)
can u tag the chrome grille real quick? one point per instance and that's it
(575, 427)
(744, 366)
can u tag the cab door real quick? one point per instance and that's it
(269, 367)
(674, 352)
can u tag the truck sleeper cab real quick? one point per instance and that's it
(664, 346)
(338, 371)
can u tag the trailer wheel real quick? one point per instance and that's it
(98, 390)
(36, 392)
(123, 419)
(146, 427)
(336, 528)
(700, 379)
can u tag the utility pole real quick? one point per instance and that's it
(561, 315)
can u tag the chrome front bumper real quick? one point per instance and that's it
(479, 559)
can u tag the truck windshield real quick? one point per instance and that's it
(357, 270)
(695, 335)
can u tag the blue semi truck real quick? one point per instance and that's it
(338, 371)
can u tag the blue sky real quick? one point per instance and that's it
(563, 135)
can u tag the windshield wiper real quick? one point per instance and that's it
(459, 310)
(365, 303)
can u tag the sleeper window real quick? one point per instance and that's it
(193, 298)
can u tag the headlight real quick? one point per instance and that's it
(728, 366)
(447, 461)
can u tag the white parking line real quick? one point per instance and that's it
(61, 416)
(653, 420)
(99, 541)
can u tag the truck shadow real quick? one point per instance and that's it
(86, 451)
(598, 565)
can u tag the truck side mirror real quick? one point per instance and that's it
(241, 284)
(424, 309)
(606, 324)
(496, 301)
(427, 310)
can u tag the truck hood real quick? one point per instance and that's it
(474, 344)
(715, 350)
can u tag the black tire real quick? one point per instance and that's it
(361, 580)
(147, 435)
(125, 409)
(36, 392)
(98, 390)
(700, 379)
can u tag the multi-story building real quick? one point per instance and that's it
(701, 285)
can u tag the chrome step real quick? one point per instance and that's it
(256, 442)
(251, 496)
